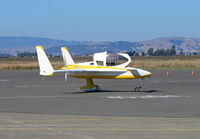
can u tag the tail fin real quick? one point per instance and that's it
(67, 57)
(46, 68)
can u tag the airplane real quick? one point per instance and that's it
(97, 68)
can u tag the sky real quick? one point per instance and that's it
(100, 20)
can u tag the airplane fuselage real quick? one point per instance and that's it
(102, 72)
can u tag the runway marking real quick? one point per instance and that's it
(144, 97)
(99, 129)
(111, 97)
(2, 80)
(15, 121)
(108, 118)
(183, 81)
(28, 86)
(62, 120)
(156, 118)
(21, 97)
(57, 125)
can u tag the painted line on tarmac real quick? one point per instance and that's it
(62, 120)
(99, 129)
(155, 118)
(146, 97)
(107, 118)
(3, 80)
(183, 81)
(28, 86)
(22, 97)
(32, 125)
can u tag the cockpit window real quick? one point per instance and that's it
(99, 63)
(111, 59)
(115, 59)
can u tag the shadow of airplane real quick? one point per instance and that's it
(117, 91)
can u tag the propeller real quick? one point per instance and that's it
(66, 77)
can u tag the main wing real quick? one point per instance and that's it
(97, 73)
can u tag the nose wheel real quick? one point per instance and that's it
(137, 89)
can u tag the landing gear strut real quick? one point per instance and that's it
(90, 86)
(137, 89)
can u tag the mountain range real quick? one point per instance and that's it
(13, 45)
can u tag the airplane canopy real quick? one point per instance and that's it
(109, 59)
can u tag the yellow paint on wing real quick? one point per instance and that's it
(100, 76)
(92, 67)
(105, 76)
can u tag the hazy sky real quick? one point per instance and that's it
(100, 20)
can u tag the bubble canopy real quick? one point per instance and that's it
(111, 59)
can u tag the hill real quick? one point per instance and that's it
(187, 45)
(13, 45)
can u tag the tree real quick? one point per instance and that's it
(162, 52)
(26, 54)
(157, 52)
(150, 51)
(172, 50)
(131, 53)
(167, 52)
(194, 53)
(181, 53)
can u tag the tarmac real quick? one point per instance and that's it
(32, 106)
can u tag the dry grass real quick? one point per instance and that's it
(174, 62)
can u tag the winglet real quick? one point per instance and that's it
(46, 68)
(67, 57)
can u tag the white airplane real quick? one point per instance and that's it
(90, 70)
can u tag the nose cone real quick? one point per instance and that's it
(148, 74)
(144, 73)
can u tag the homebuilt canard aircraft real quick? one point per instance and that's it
(90, 70)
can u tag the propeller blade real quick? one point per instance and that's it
(66, 77)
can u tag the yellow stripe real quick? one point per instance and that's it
(105, 76)
(133, 76)
(49, 74)
(65, 49)
(92, 67)
(40, 47)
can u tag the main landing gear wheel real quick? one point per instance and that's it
(137, 89)
(90, 87)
